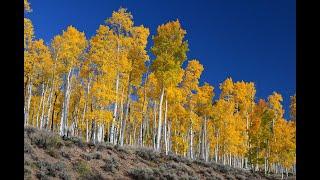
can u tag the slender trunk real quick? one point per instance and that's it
(27, 105)
(205, 139)
(123, 128)
(191, 142)
(115, 111)
(64, 113)
(84, 111)
(40, 105)
(121, 116)
(140, 134)
(154, 125)
(169, 137)
(159, 120)
(134, 133)
(144, 109)
(165, 127)
(92, 136)
(52, 116)
(207, 152)
(47, 118)
(202, 140)
(217, 147)
(43, 106)
(265, 165)
(87, 131)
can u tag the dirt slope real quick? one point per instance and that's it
(48, 156)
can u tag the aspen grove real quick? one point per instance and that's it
(107, 89)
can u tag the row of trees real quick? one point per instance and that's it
(107, 89)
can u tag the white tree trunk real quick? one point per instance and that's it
(140, 134)
(121, 119)
(84, 111)
(47, 117)
(169, 137)
(191, 142)
(159, 120)
(27, 108)
(43, 106)
(65, 106)
(123, 125)
(165, 127)
(100, 133)
(205, 139)
(40, 105)
(114, 111)
(154, 125)
(87, 131)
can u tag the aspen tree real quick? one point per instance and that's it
(170, 50)
(190, 84)
(70, 47)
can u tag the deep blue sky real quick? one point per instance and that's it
(247, 40)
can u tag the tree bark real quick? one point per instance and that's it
(64, 114)
(159, 120)
(43, 106)
(191, 142)
(154, 125)
(165, 127)
(123, 127)
(121, 118)
(27, 105)
(52, 117)
(40, 105)
(114, 111)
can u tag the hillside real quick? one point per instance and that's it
(48, 156)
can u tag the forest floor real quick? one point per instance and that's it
(48, 156)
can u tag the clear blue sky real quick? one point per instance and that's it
(248, 40)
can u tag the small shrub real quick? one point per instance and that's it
(83, 169)
(170, 165)
(240, 177)
(142, 174)
(54, 169)
(29, 129)
(64, 175)
(42, 176)
(148, 154)
(74, 140)
(223, 169)
(122, 149)
(174, 157)
(170, 176)
(27, 171)
(53, 153)
(230, 177)
(91, 145)
(27, 161)
(65, 155)
(101, 146)
(109, 146)
(94, 176)
(46, 140)
(213, 178)
(96, 155)
(86, 157)
(42, 165)
(202, 163)
(68, 144)
(111, 165)
(28, 148)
